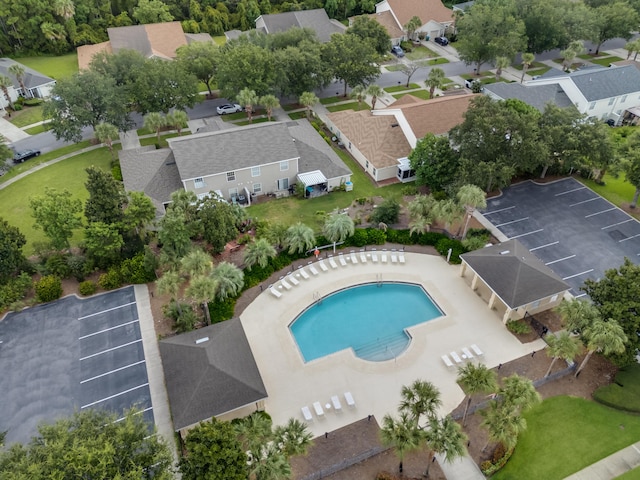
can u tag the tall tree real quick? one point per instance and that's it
(139, 213)
(152, 11)
(258, 252)
(218, 222)
(293, 438)
(299, 238)
(475, 379)
(408, 69)
(103, 243)
(518, 393)
(107, 133)
(577, 315)
(11, 257)
(375, 91)
(155, 122)
(19, 72)
(229, 280)
(201, 60)
(174, 235)
(434, 80)
(308, 100)
(402, 434)
(64, 8)
(248, 99)
(372, 32)
(603, 337)
(562, 346)
(436, 164)
(269, 102)
(351, 59)
(501, 63)
(196, 263)
(503, 424)
(445, 437)
(245, 65)
(5, 85)
(202, 290)
(338, 227)
(418, 399)
(106, 197)
(527, 61)
(411, 26)
(613, 20)
(630, 164)
(57, 214)
(471, 198)
(170, 284)
(177, 119)
(164, 87)
(359, 92)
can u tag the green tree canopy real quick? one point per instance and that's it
(103, 243)
(11, 257)
(475, 379)
(57, 214)
(152, 11)
(258, 252)
(218, 221)
(435, 162)
(351, 59)
(402, 434)
(244, 65)
(106, 197)
(201, 60)
(613, 20)
(372, 32)
(164, 87)
(299, 238)
(338, 227)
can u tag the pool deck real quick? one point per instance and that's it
(375, 386)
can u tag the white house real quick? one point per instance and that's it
(37, 85)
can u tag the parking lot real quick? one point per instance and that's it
(574, 231)
(71, 355)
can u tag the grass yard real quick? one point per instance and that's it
(624, 392)
(630, 475)
(473, 76)
(423, 94)
(394, 68)
(357, 106)
(291, 106)
(606, 61)
(419, 53)
(220, 40)
(330, 100)
(538, 71)
(163, 139)
(616, 190)
(255, 120)
(69, 174)
(38, 129)
(402, 88)
(437, 61)
(55, 67)
(27, 116)
(566, 434)
(519, 66)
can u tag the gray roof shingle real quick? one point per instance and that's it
(212, 377)
(133, 37)
(317, 20)
(32, 78)
(315, 153)
(596, 84)
(537, 96)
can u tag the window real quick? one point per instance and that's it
(257, 188)
(624, 98)
(233, 192)
(612, 100)
(374, 172)
(535, 304)
(284, 165)
(231, 176)
(553, 298)
(366, 164)
(283, 184)
(592, 105)
(255, 171)
(199, 183)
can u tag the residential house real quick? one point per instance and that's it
(462, 7)
(154, 40)
(211, 372)
(238, 164)
(513, 280)
(388, 21)
(381, 140)
(37, 85)
(316, 20)
(435, 17)
(601, 92)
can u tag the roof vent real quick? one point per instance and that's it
(202, 340)
(505, 252)
(393, 125)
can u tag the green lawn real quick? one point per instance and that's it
(163, 139)
(330, 100)
(419, 53)
(437, 61)
(220, 40)
(55, 67)
(401, 88)
(538, 71)
(291, 106)
(423, 94)
(69, 174)
(349, 106)
(27, 116)
(254, 121)
(43, 127)
(606, 61)
(393, 68)
(624, 392)
(533, 65)
(566, 434)
(616, 190)
(630, 475)
(473, 76)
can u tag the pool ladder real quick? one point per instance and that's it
(317, 298)
(379, 279)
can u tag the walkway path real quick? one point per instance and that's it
(612, 466)
(9, 131)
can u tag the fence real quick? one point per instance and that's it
(346, 463)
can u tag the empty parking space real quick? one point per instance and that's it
(574, 231)
(71, 355)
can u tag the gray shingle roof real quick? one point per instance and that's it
(133, 37)
(518, 277)
(596, 84)
(537, 96)
(315, 153)
(210, 378)
(32, 78)
(317, 20)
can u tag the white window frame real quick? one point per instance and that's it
(255, 171)
(199, 183)
(282, 181)
(257, 188)
(612, 100)
(231, 176)
(624, 98)
(284, 165)
(592, 105)
(233, 192)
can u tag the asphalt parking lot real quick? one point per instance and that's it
(71, 355)
(573, 230)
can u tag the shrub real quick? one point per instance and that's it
(624, 392)
(488, 468)
(135, 270)
(376, 237)
(475, 243)
(430, 238)
(518, 327)
(110, 280)
(48, 288)
(77, 266)
(182, 314)
(116, 171)
(387, 212)
(87, 288)
(358, 239)
(409, 190)
(221, 310)
(57, 264)
(15, 290)
(456, 247)
(32, 102)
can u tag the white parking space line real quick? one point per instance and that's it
(569, 191)
(598, 213)
(107, 329)
(528, 233)
(616, 224)
(499, 210)
(107, 310)
(114, 396)
(584, 201)
(577, 274)
(137, 412)
(512, 221)
(111, 371)
(559, 260)
(629, 238)
(110, 349)
(543, 246)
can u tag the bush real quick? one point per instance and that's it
(87, 288)
(518, 327)
(15, 290)
(57, 264)
(359, 238)
(110, 280)
(475, 243)
(182, 314)
(624, 392)
(77, 266)
(221, 310)
(456, 247)
(116, 172)
(32, 102)
(376, 237)
(135, 270)
(409, 190)
(488, 468)
(387, 212)
(48, 288)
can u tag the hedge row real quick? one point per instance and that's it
(15, 290)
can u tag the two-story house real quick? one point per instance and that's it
(435, 17)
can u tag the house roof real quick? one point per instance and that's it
(607, 82)
(86, 53)
(151, 171)
(389, 23)
(437, 115)
(211, 377)
(317, 20)
(32, 78)
(516, 275)
(463, 6)
(426, 10)
(537, 96)
(314, 152)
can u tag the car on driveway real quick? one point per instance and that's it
(20, 157)
(397, 51)
(228, 108)
(441, 41)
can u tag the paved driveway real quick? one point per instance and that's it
(71, 355)
(574, 231)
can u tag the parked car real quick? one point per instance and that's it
(397, 51)
(470, 84)
(20, 157)
(441, 41)
(228, 108)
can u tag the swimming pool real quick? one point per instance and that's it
(371, 319)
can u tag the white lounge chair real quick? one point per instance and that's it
(333, 263)
(456, 357)
(274, 292)
(343, 262)
(354, 259)
(363, 256)
(401, 257)
(318, 408)
(304, 273)
(336, 402)
(383, 257)
(476, 350)
(292, 278)
(323, 266)
(306, 413)
(313, 270)
(349, 398)
(446, 361)
(285, 284)
(374, 256)
(467, 355)
(394, 256)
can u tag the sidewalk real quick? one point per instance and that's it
(10, 132)
(612, 466)
(463, 468)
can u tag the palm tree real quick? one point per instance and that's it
(269, 102)
(18, 71)
(177, 119)
(402, 434)
(5, 84)
(271, 464)
(253, 431)
(445, 437)
(202, 290)
(229, 279)
(434, 80)
(470, 197)
(574, 49)
(300, 238)
(578, 315)
(420, 398)
(375, 91)
(503, 424)
(64, 8)
(518, 393)
(196, 263)
(106, 133)
(527, 61)
(248, 99)
(52, 31)
(277, 235)
(338, 227)
(475, 379)
(170, 284)
(420, 225)
(308, 100)
(448, 211)
(294, 438)
(421, 206)
(562, 346)
(359, 92)
(603, 337)
(259, 252)
(154, 121)
(412, 25)
(501, 64)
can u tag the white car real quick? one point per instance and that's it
(228, 108)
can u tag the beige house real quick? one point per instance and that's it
(512, 280)
(381, 140)
(435, 17)
(316, 20)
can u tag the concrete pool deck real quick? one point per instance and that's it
(375, 386)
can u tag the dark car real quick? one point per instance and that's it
(441, 41)
(20, 157)
(397, 51)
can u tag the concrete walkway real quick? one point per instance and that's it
(10, 132)
(129, 139)
(612, 466)
(464, 468)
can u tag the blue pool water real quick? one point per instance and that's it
(371, 319)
